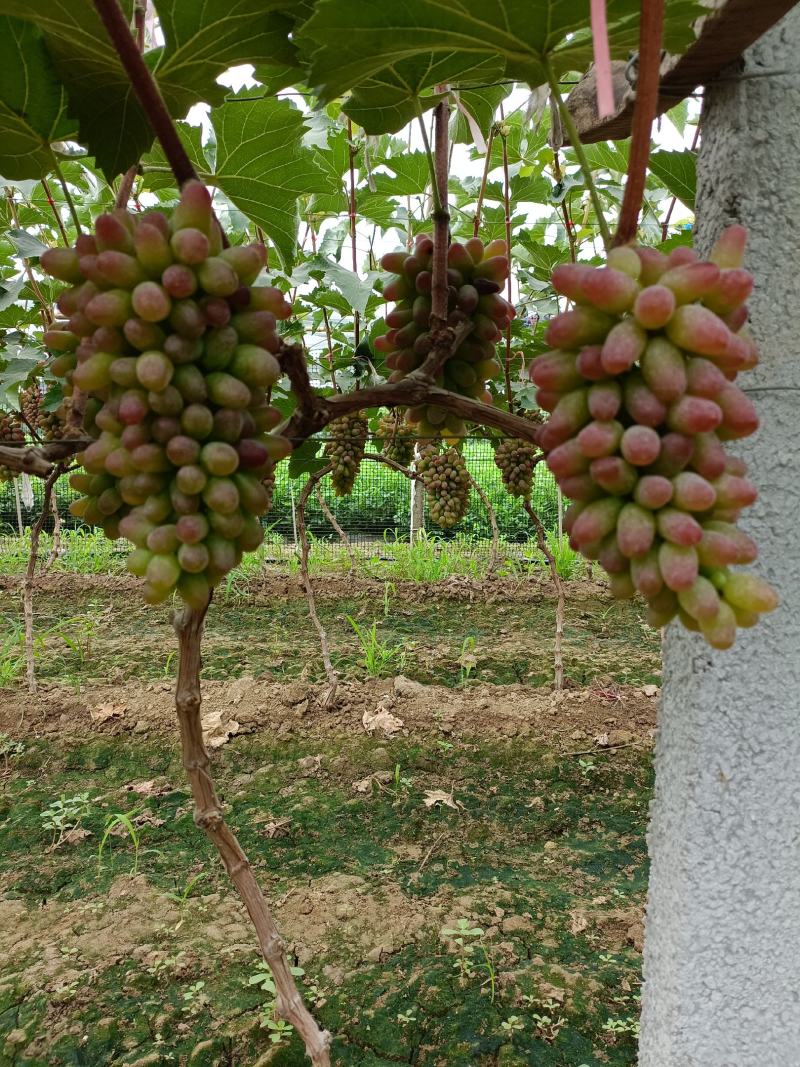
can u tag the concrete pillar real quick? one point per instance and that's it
(722, 948)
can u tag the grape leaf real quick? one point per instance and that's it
(678, 172)
(481, 104)
(32, 102)
(350, 41)
(412, 174)
(27, 245)
(387, 102)
(263, 167)
(202, 40)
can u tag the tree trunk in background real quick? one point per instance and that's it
(722, 951)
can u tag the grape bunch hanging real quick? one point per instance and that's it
(475, 277)
(11, 432)
(174, 348)
(516, 460)
(345, 449)
(446, 480)
(642, 401)
(396, 443)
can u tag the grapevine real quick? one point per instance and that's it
(173, 346)
(475, 277)
(395, 442)
(516, 460)
(642, 401)
(446, 480)
(48, 425)
(345, 450)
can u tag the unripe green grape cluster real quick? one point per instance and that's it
(396, 442)
(175, 349)
(475, 278)
(345, 449)
(516, 460)
(446, 480)
(640, 389)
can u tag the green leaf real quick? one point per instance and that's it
(276, 76)
(387, 101)
(192, 140)
(482, 105)
(32, 102)
(678, 172)
(351, 41)
(412, 174)
(202, 40)
(263, 167)
(541, 258)
(26, 244)
(354, 289)
(304, 459)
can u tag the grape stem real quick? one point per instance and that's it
(644, 111)
(55, 211)
(308, 588)
(476, 222)
(577, 146)
(62, 181)
(209, 818)
(146, 89)
(30, 570)
(441, 214)
(507, 211)
(544, 548)
(351, 205)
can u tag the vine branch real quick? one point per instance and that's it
(146, 89)
(544, 548)
(441, 217)
(575, 142)
(30, 570)
(330, 671)
(209, 818)
(644, 111)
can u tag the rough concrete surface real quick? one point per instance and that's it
(722, 950)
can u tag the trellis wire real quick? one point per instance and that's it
(377, 513)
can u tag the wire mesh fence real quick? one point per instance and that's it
(376, 513)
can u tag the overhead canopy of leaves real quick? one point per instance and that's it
(32, 102)
(368, 45)
(202, 41)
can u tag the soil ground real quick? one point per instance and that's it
(462, 886)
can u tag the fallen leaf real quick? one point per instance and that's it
(651, 690)
(104, 712)
(577, 922)
(276, 828)
(381, 719)
(71, 837)
(215, 732)
(152, 787)
(438, 796)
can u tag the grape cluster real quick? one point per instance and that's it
(47, 425)
(475, 278)
(345, 449)
(396, 444)
(11, 428)
(641, 394)
(516, 460)
(174, 348)
(446, 481)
